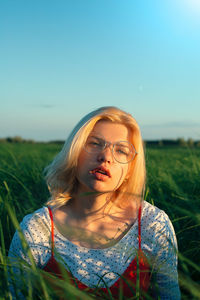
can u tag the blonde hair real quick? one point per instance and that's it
(61, 173)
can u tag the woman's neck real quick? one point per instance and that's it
(87, 204)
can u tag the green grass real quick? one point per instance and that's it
(173, 184)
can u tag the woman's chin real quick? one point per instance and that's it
(96, 190)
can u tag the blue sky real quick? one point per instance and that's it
(62, 59)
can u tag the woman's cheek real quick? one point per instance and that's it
(120, 173)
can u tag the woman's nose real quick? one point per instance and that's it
(106, 155)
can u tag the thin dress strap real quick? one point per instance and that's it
(52, 231)
(139, 226)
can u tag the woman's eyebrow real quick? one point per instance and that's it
(96, 137)
(122, 146)
(120, 143)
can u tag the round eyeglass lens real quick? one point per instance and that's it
(94, 144)
(124, 152)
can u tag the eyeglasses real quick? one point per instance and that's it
(123, 151)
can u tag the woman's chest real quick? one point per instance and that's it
(100, 233)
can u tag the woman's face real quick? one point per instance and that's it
(99, 171)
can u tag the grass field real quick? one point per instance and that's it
(173, 184)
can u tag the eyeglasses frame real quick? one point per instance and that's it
(108, 144)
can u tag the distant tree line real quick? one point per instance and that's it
(171, 142)
(16, 139)
(158, 143)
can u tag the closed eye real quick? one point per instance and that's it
(122, 152)
(95, 142)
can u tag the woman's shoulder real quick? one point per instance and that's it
(35, 228)
(36, 219)
(157, 222)
(152, 212)
(156, 219)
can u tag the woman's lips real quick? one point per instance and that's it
(101, 173)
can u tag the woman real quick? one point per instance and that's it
(96, 224)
